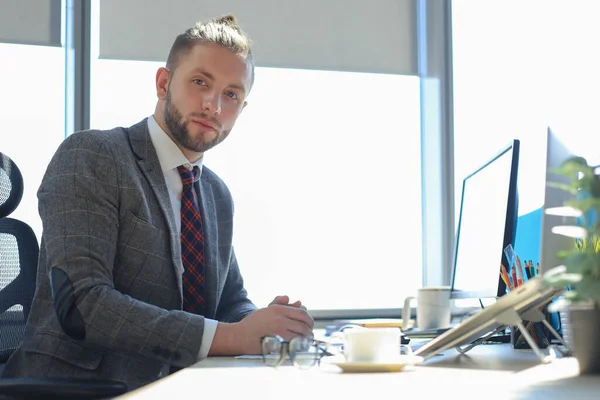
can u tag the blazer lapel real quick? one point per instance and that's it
(143, 148)
(210, 227)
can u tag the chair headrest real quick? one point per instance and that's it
(11, 186)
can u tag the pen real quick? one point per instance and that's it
(521, 277)
(507, 283)
(505, 277)
(541, 335)
(514, 276)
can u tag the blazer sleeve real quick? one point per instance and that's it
(234, 304)
(79, 207)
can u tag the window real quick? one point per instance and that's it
(33, 116)
(324, 168)
(320, 173)
(520, 67)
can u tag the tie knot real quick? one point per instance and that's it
(188, 177)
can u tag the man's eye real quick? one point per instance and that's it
(231, 95)
(198, 82)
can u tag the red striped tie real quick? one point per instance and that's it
(192, 244)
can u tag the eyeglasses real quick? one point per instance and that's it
(304, 352)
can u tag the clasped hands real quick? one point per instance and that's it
(287, 319)
(281, 318)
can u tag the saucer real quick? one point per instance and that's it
(394, 366)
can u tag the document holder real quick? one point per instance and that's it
(510, 310)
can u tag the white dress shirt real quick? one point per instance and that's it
(170, 157)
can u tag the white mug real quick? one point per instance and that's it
(371, 345)
(433, 308)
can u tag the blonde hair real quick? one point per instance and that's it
(223, 31)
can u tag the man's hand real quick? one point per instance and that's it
(280, 319)
(285, 301)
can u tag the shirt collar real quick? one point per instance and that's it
(169, 155)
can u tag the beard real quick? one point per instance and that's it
(181, 134)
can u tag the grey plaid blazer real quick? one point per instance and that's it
(108, 224)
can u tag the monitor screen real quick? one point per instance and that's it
(487, 224)
(556, 154)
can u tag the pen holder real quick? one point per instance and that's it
(537, 330)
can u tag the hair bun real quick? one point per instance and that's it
(227, 20)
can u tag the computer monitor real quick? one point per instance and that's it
(556, 154)
(533, 293)
(487, 224)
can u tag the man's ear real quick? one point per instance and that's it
(244, 106)
(162, 83)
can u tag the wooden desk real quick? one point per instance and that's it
(486, 372)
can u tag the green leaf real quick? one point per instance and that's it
(576, 160)
(595, 186)
(559, 305)
(587, 289)
(574, 165)
(562, 254)
(581, 269)
(564, 186)
(581, 262)
(554, 271)
(571, 295)
(584, 205)
(564, 280)
(596, 270)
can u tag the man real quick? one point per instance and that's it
(137, 272)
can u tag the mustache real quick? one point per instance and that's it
(205, 116)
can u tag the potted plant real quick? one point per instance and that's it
(580, 272)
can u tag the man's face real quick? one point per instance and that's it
(204, 96)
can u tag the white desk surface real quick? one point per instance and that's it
(486, 372)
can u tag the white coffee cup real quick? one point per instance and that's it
(433, 308)
(371, 345)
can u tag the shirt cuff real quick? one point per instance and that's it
(210, 327)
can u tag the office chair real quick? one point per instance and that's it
(19, 252)
(18, 261)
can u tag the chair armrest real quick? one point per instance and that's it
(60, 388)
